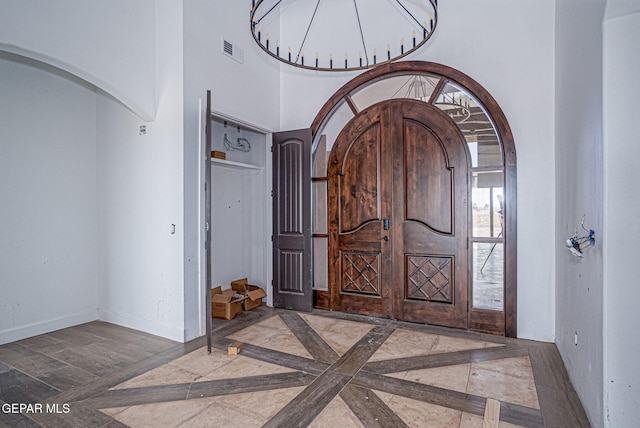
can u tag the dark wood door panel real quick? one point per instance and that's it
(359, 182)
(428, 179)
(359, 261)
(430, 252)
(419, 239)
(292, 220)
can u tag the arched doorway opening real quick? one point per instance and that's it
(358, 167)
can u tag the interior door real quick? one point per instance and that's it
(207, 221)
(398, 215)
(292, 287)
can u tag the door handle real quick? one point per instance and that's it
(386, 238)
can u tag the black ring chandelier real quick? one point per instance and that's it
(341, 35)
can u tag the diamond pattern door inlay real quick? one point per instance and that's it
(360, 273)
(429, 278)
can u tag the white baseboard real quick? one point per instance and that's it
(168, 331)
(46, 326)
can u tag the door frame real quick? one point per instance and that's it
(505, 136)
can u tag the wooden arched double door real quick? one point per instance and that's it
(398, 215)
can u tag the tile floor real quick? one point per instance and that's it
(319, 369)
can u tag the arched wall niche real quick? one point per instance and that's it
(488, 135)
(55, 65)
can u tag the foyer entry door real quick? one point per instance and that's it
(398, 217)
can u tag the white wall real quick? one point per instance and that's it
(622, 204)
(48, 213)
(510, 53)
(109, 44)
(579, 187)
(241, 233)
(140, 197)
(249, 91)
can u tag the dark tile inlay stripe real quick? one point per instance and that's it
(310, 339)
(558, 400)
(305, 407)
(445, 359)
(283, 359)
(359, 354)
(523, 416)
(511, 413)
(190, 391)
(369, 408)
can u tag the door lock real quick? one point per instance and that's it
(385, 224)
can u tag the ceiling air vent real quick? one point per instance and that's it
(231, 50)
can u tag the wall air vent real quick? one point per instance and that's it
(231, 50)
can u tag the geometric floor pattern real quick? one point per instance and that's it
(328, 369)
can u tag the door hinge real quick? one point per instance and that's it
(328, 185)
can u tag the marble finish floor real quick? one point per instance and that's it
(319, 369)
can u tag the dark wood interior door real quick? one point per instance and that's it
(398, 215)
(292, 288)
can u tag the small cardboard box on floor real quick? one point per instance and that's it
(225, 304)
(253, 294)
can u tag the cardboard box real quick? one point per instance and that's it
(235, 348)
(253, 294)
(225, 304)
(218, 155)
